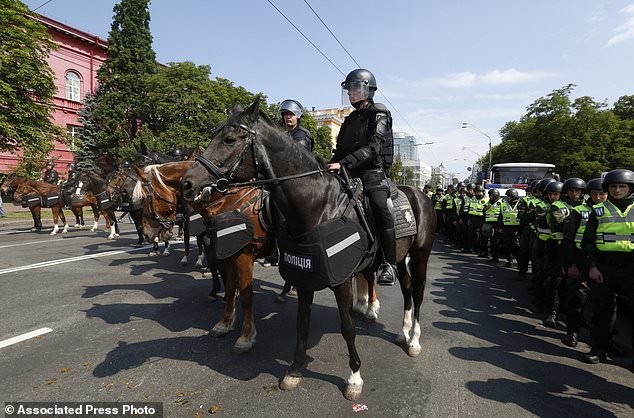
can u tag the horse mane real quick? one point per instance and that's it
(138, 194)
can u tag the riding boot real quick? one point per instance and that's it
(388, 274)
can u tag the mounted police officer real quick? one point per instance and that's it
(365, 148)
(291, 112)
(178, 155)
(50, 174)
(71, 182)
(608, 244)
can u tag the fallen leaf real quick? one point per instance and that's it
(215, 408)
(108, 386)
(64, 369)
(87, 364)
(51, 381)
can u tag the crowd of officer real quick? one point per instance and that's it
(577, 236)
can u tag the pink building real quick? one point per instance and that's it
(75, 66)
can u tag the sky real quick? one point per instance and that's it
(437, 63)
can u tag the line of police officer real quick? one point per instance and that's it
(579, 249)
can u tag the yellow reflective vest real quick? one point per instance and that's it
(584, 212)
(492, 213)
(509, 213)
(615, 229)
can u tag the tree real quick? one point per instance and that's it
(122, 101)
(396, 170)
(323, 142)
(26, 88)
(582, 137)
(88, 152)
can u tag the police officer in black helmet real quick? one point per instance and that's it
(291, 112)
(365, 148)
(50, 174)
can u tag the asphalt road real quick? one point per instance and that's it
(129, 327)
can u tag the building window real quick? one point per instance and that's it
(72, 132)
(73, 84)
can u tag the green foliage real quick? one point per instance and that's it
(396, 170)
(122, 101)
(323, 142)
(582, 137)
(26, 88)
(88, 150)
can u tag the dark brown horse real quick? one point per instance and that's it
(94, 188)
(35, 193)
(161, 196)
(248, 146)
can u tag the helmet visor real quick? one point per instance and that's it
(354, 92)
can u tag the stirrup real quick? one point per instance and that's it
(387, 276)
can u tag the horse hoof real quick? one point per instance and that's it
(359, 308)
(219, 331)
(290, 382)
(110, 236)
(165, 254)
(116, 235)
(369, 319)
(77, 226)
(184, 261)
(413, 351)
(242, 346)
(400, 339)
(153, 253)
(353, 392)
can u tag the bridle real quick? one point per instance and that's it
(165, 223)
(225, 179)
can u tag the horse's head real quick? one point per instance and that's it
(230, 156)
(159, 202)
(10, 184)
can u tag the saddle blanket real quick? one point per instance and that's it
(404, 220)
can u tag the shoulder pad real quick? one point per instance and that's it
(380, 107)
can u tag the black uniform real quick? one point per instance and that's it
(51, 176)
(302, 137)
(365, 148)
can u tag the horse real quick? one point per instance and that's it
(92, 184)
(120, 187)
(163, 184)
(34, 192)
(249, 146)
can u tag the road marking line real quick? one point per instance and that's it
(36, 242)
(24, 337)
(69, 260)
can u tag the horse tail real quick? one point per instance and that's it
(138, 194)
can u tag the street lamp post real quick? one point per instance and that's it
(475, 128)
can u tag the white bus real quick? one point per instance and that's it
(518, 175)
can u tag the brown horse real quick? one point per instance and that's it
(33, 193)
(161, 199)
(315, 203)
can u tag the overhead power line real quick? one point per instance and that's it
(306, 37)
(42, 5)
(349, 55)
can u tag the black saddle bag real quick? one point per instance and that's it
(31, 201)
(227, 234)
(323, 257)
(50, 200)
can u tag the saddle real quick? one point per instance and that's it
(334, 250)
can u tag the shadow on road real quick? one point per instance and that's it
(486, 302)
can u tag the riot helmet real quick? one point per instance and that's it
(461, 184)
(358, 86)
(512, 194)
(471, 186)
(573, 183)
(494, 193)
(177, 153)
(72, 167)
(541, 186)
(620, 175)
(479, 188)
(554, 186)
(126, 164)
(291, 106)
(594, 184)
(531, 187)
(50, 164)
(439, 189)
